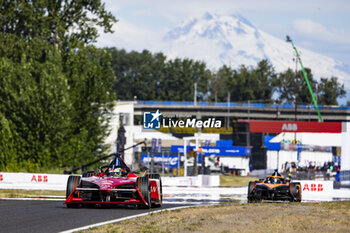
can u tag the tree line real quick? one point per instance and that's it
(147, 76)
(55, 86)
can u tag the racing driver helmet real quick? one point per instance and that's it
(289, 177)
(117, 172)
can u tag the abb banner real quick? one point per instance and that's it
(32, 181)
(316, 190)
(294, 126)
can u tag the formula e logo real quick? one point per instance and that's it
(151, 120)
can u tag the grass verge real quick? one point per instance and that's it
(19, 193)
(261, 217)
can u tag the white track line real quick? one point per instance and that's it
(122, 219)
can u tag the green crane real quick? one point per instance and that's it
(307, 80)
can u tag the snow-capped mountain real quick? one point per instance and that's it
(233, 40)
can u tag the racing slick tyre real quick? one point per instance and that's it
(250, 189)
(72, 183)
(88, 174)
(157, 176)
(143, 185)
(295, 189)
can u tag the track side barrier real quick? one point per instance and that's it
(32, 181)
(36, 181)
(313, 190)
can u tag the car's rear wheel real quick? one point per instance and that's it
(157, 176)
(296, 191)
(251, 186)
(143, 185)
(72, 183)
(88, 174)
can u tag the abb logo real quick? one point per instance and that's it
(290, 127)
(313, 187)
(1, 178)
(39, 178)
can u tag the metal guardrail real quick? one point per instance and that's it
(234, 104)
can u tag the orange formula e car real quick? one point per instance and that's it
(274, 188)
(114, 184)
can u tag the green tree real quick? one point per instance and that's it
(35, 102)
(137, 74)
(144, 79)
(263, 74)
(56, 89)
(304, 95)
(179, 79)
(290, 85)
(60, 22)
(220, 83)
(244, 83)
(285, 85)
(8, 149)
(148, 76)
(329, 90)
(90, 89)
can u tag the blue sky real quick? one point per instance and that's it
(318, 25)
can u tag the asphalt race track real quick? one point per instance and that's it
(53, 216)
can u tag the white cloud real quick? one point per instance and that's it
(316, 31)
(130, 36)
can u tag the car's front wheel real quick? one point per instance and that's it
(143, 185)
(72, 183)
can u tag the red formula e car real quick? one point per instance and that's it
(274, 188)
(114, 184)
